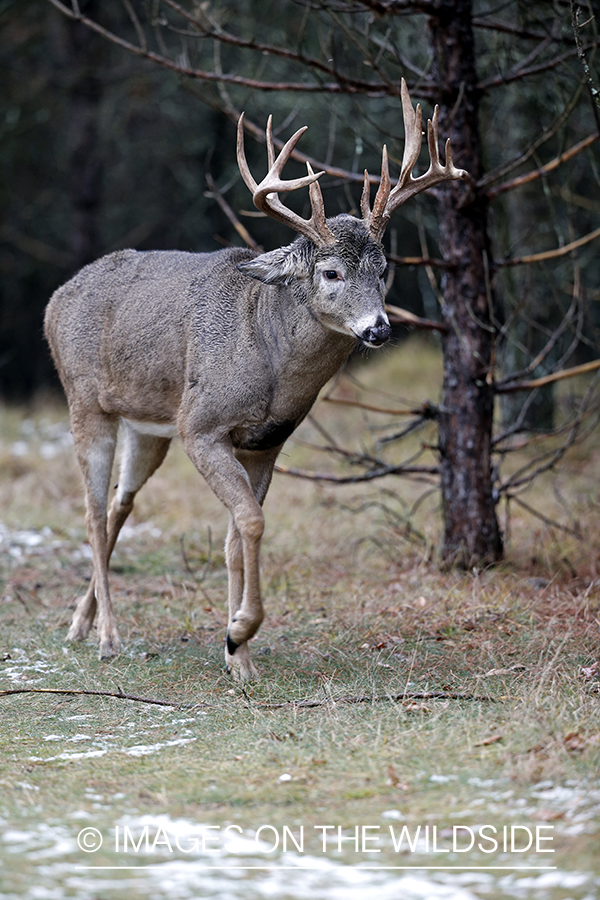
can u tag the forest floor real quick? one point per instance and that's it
(414, 732)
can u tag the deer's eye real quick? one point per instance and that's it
(332, 275)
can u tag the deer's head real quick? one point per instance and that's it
(341, 261)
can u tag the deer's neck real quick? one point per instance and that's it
(299, 345)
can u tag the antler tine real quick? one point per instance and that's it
(276, 164)
(241, 157)
(438, 172)
(413, 133)
(433, 142)
(365, 198)
(376, 217)
(317, 203)
(450, 161)
(270, 145)
(407, 185)
(265, 196)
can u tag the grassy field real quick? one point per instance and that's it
(300, 784)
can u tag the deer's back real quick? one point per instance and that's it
(120, 329)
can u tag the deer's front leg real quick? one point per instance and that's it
(241, 485)
(237, 656)
(259, 468)
(244, 614)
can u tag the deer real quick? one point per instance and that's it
(227, 350)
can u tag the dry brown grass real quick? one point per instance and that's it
(356, 606)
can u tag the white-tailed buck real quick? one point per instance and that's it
(228, 350)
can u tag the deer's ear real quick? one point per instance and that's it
(280, 266)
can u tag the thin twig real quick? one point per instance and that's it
(296, 704)
(119, 695)
(517, 31)
(385, 698)
(551, 254)
(224, 37)
(371, 475)
(423, 411)
(136, 24)
(543, 170)
(519, 75)
(417, 260)
(511, 387)
(554, 337)
(336, 87)
(241, 229)
(404, 317)
(551, 523)
(521, 158)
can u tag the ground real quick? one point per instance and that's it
(392, 694)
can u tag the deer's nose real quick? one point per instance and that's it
(377, 334)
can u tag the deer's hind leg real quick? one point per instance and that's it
(142, 454)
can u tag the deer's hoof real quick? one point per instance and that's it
(82, 621)
(110, 645)
(78, 631)
(239, 665)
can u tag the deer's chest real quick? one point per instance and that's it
(264, 436)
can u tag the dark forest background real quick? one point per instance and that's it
(118, 130)
(97, 152)
(101, 150)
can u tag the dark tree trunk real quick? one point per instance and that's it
(471, 533)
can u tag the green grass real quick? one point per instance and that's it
(356, 609)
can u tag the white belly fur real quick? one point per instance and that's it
(155, 428)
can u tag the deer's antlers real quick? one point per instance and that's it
(265, 196)
(387, 199)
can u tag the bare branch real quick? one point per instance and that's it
(575, 10)
(500, 80)
(543, 170)
(522, 157)
(404, 317)
(554, 337)
(404, 697)
(551, 254)
(380, 409)
(241, 229)
(510, 387)
(507, 28)
(551, 523)
(417, 261)
(429, 7)
(371, 90)
(371, 475)
(136, 24)
(352, 84)
(119, 695)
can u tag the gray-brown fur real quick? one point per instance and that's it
(228, 350)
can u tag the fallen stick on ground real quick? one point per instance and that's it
(301, 704)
